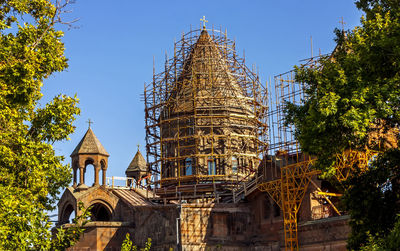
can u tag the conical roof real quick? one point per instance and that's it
(205, 53)
(205, 57)
(89, 144)
(137, 164)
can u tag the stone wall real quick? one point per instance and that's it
(142, 222)
(102, 236)
(324, 234)
(254, 224)
(219, 227)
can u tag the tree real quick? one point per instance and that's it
(127, 244)
(31, 175)
(67, 236)
(372, 200)
(389, 242)
(353, 102)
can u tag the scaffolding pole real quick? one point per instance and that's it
(206, 114)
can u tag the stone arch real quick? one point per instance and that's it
(66, 212)
(88, 162)
(101, 211)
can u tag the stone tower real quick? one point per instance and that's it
(137, 169)
(111, 208)
(89, 151)
(205, 115)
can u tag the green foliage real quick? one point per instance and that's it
(372, 199)
(31, 175)
(127, 244)
(67, 236)
(147, 245)
(349, 95)
(389, 242)
(354, 88)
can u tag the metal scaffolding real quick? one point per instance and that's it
(288, 172)
(206, 117)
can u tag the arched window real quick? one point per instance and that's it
(234, 165)
(188, 166)
(211, 165)
(68, 214)
(100, 212)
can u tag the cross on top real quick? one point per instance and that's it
(138, 145)
(343, 23)
(204, 21)
(89, 122)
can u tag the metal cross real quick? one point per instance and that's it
(138, 145)
(343, 23)
(89, 122)
(204, 21)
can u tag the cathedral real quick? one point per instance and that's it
(211, 178)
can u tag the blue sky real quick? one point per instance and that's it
(111, 54)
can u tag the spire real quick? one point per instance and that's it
(138, 163)
(205, 56)
(89, 144)
(138, 167)
(205, 48)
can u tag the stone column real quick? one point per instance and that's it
(81, 174)
(104, 176)
(96, 175)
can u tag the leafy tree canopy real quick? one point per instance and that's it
(354, 92)
(353, 102)
(31, 175)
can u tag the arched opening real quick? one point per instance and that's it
(67, 215)
(100, 212)
(89, 172)
(188, 166)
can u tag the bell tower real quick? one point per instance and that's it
(137, 169)
(89, 151)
